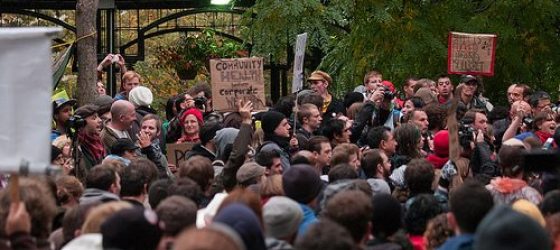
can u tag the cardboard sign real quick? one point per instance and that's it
(176, 152)
(472, 54)
(237, 78)
(25, 97)
(297, 81)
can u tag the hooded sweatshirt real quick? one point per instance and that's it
(507, 190)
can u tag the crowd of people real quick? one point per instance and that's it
(429, 165)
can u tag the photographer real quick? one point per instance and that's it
(89, 150)
(483, 158)
(377, 111)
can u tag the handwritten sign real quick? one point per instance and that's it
(473, 54)
(176, 152)
(237, 78)
(297, 81)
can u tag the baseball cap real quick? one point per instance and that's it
(122, 145)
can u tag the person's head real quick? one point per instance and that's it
(444, 85)
(408, 86)
(419, 118)
(270, 159)
(39, 202)
(422, 209)
(131, 228)
(478, 116)
(125, 148)
(202, 89)
(551, 203)
(437, 116)
(408, 138)
(133, 183)
(130, 80)
(207, 134)
(312, 98)
(373, 80)
(214, 236)
(352, 98)
(540, 101)
(346, 153)
(468, 204)
(302, 183)
(282, 217)
(158, 191)
(437, 231)
(326, 235)
(523, 105)
(244, 221)
(100, 88)
(319, 82)
(246, 197)
(191, 121)
(141, 97)
(62, 110)
(104, 103)
(419, 176)
(412, 103)
(271, 187)
(171, 107)
(386, 217)
(382, 137)
(187, 188)
(514, 93)
(151, 125)
(275, 123)
(470, 87)
(509, 158)
(147, 168)
(105, 178)
(177, 213)
(375, 163)
(198, 169)
(337, 131)
(309, 116)
(504, 228)
(342, 171)
(99, 214)
(545, 122)
(250, 173)
(122, 114)
(68, 190)
(321, 148)
(351, 209)
(93, 123)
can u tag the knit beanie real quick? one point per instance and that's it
(301, 183)
(281, 216)
(141, 96)
(208, 132)
(441, 143)
(270, 120)
(504, 228)
(191, 111)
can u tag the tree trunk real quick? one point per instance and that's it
(86, 12)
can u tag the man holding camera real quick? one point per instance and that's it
(62, 111)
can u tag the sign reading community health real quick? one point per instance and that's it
(237, 79)
(25, 97)
(473, 54)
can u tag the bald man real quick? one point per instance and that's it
(123, 115)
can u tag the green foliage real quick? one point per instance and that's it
(404, 38)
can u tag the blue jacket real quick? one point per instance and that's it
(308, 219)
(460, 242)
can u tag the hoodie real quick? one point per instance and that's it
(92, 195)
(507, 190)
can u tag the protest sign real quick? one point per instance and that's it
(176, 152)
(235, 79)
(472, 54)
(297, 81)
(25, 97)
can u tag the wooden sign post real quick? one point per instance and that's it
(237, 78)
(472, 54)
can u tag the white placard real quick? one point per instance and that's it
(25, 98)
(297, 81)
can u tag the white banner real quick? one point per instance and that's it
(25, 98)
(297, 81)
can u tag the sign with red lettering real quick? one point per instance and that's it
(237, 78)
(472, 54)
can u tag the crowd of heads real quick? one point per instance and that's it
(425, 164)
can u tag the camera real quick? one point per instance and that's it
(387, 94)
(76, 122)
(200, 102)
(465, 134)
(528, 121)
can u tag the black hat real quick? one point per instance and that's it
(122, 145)
(301, 183)
(86, 110)
(208, 132)
(103, 103)
(132, 228)
(58, 103)
(468, 78)
(270, 120)
(55, 152)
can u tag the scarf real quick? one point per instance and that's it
(543, 136)
(283, 142)
(93, 144)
